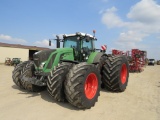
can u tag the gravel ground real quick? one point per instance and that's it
(140, 101)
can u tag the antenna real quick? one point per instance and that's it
(49, 42)
(94, 31)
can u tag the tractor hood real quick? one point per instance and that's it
(42, 56)
(48, 59)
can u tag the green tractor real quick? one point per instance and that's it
(74, 73)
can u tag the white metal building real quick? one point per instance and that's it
(17, 51)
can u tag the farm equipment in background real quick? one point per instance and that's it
(137, 60)
(7, 61)
(74, 72)
(117, 52)
(151, 62)
(158, 62)
(15, 61)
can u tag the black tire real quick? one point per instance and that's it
(16, 74)
(55, 83)
(76, 86)
(28, 71)
(100, 65)
(129, 58)
(102, 62)
(111, 73)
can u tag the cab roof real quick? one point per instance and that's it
(79, 34)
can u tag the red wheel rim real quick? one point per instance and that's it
(123, 73)
(91, 85)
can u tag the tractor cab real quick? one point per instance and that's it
(82, 44)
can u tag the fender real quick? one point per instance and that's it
(94, 57)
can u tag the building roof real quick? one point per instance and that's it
(22, 46)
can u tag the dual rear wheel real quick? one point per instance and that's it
(115, 73)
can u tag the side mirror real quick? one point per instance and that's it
(49, 42)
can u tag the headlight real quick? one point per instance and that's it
(41, 65)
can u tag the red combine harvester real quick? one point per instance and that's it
(137, 60)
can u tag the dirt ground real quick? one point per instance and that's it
(140, 101)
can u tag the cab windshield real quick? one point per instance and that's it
(77, 43)
(71, 42)
(87, 44)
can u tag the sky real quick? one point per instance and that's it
(119, 24)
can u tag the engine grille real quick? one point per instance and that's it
(41, 56)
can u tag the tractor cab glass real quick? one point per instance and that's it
(71, 42)
(78, 43)
(87, 44)
(82, 46)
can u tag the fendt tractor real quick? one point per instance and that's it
(75, 72)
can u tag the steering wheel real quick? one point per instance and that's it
(85, 50)
(74, 47)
